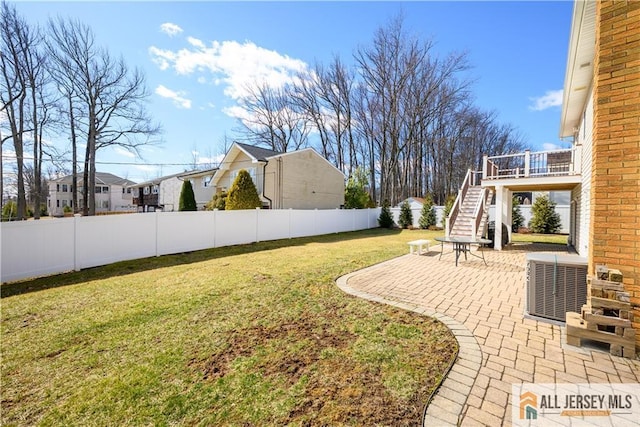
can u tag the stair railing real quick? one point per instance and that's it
(478, 213)
(455, 209)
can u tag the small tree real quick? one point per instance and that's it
(428, 213)
(517, 220)
(355, 192)
(218, 201)
(187, 198)
(406, 216)
(545, 218)
(9, 211)
(243, 193)
(385, 220)
(448, 204)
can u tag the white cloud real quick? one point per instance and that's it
(170, 29)
(235, 64)
(126, 153)
(549, 146)
(177, 97)
(551, 98)
(196, 42)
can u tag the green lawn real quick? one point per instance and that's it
(560, 239)
(248, 335)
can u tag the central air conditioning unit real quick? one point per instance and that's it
(556, 284)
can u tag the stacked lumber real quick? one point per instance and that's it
(606, 317)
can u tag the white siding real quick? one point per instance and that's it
(169, 196)
(582, 193)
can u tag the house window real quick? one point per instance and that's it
(104, 204)
(128, 190)
(145, 190)
(64, 188)
(65, 203)
(105, 189)
(57, 187)
(98, 189)
(234, 174)
(154, 189)
(206, 181)
(57, 203)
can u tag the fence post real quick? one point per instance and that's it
(156, 213)
(76, 266)
(485, 160)
(214, 226)
(257, 224)
(290, 215)
(527, 162)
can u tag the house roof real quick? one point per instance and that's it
(579, 73)
(102, 178)
(258, 153)
(198, 173)
(157, 181)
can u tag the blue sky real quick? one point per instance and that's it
(198, 55)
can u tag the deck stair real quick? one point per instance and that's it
(470, 213)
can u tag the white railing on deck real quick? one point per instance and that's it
(529, 165)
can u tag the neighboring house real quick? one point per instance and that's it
(163, 193)
(300, 179)
(112, 194)
(414, 202)
(201, 181)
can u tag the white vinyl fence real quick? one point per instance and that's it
(525, 210)
(39, 248)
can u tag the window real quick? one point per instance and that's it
(128, 190)
(65, 203)
(57, 203)
(64, 188)
(104, 204)
(57, 187)
(105, 189)
(206, 181)
(234, 174)
(145, 190)
(154, 189)
(98, 189)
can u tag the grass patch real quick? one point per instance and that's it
(247, 335)
(560, 239)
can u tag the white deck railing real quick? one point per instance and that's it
(531, 165)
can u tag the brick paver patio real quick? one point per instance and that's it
(484, 307)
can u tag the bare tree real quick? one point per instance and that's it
(271, 119)
(19, 44)
(110, 95)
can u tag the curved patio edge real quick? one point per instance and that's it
(449, 400)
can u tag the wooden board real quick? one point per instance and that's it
(607, 320)
(608, 303)
(605, 284)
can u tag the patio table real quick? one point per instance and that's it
(462, 245)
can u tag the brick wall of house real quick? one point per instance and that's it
(615, 182)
